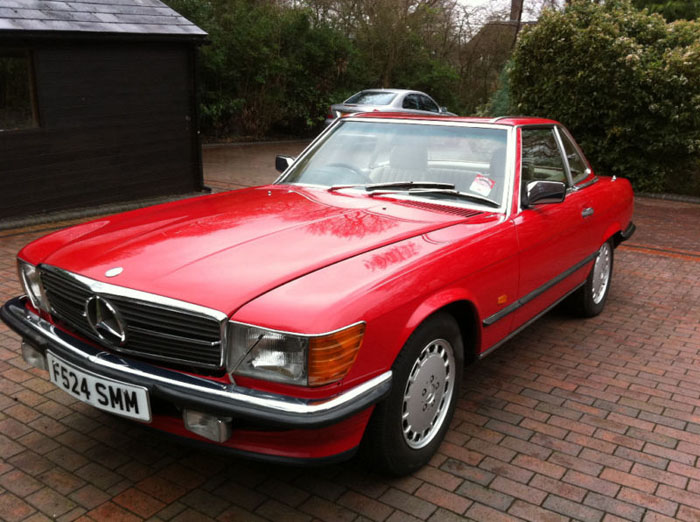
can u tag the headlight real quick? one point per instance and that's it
(31, 282)
(291, 358)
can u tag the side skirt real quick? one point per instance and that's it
(515, 332)
(538, 291)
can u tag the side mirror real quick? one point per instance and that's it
(443, 109)
(282, 163)
(543, 192)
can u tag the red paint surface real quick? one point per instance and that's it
(301, 444)
(310, 261)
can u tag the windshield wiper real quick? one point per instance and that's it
(452, 192)
(408, 185)
(395, 185)
(419, 187)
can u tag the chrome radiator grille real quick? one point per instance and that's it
(153, 330)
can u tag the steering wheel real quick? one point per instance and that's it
(356, 177)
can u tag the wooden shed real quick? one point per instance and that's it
(98, 103)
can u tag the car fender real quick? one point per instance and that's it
(390, 290)
(439, 301)
(612, 229)
(619, 189)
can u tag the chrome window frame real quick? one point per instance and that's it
(553, 127)
(582, 183)
(565, 160)
(507, 200)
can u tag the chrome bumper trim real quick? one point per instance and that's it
(191, 391)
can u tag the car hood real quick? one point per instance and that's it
(221, 251)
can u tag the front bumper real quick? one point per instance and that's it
(192, 392)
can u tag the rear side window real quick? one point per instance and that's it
(576, 164)
(371, 98)
(541, 156)
(411, 102)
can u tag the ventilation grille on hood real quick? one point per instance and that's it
(447, 209)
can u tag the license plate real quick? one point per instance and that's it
(103, 393)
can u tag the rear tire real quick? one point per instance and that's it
(408, 426)
(589, 300)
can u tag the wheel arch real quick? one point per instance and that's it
(614, 232)
(465, 313)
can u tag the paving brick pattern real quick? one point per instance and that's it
(593, 419)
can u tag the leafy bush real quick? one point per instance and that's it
(275, 67)
(625, 82)
(266, 66)
(671, 9)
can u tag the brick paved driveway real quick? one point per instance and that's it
(591, 420)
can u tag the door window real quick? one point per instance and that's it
(541, 158)
(428, 105)
(576, 164)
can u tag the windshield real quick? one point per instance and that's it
(366, 153)
(371, 98)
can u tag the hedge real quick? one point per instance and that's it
(625, 82)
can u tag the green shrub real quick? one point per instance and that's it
(276, 67)
(499, 104)
(625, 82)
(267, 67)
(671, 9)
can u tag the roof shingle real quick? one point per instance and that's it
(140, 17)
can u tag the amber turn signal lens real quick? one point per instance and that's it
(331, 356)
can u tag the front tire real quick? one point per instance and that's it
(407, 428)
(590, 299)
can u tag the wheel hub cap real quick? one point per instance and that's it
(601, 273)
(428, 392)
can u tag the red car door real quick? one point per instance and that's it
(597, 213)
(555, 248)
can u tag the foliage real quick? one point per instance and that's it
(671, 9)
(399, 43)
(266, 66)
(275, 66)
(625, 82)
(499, 104)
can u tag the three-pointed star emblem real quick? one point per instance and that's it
(105, 320)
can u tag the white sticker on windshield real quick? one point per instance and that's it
(482, 185)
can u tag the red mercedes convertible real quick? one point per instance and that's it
(335, 308)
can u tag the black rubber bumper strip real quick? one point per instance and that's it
(537, 291)
(197, 393)
(628, 232)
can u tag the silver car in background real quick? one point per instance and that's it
(386, 100)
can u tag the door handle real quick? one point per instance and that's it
(587, 212)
